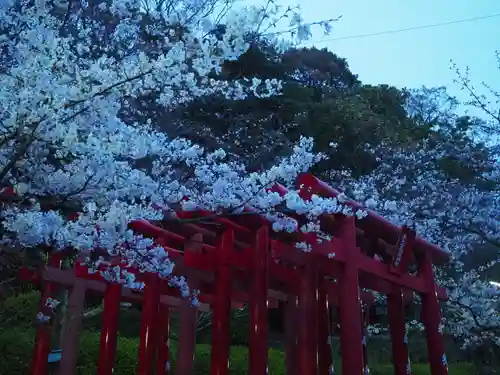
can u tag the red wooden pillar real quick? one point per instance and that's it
(41, 350)
(222, 306)
(72, 330)
(351, 331)
(186, 348)
(397, 321)
(308, 319)
(334, 328)
(184, 365)
(258, 305)
(364, 325)
(324, 350)
(149, 323)
(109, 330)
(163, 367)
(431, 316)
(291, 337)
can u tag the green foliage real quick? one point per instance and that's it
(19, 310)
(240, 326)
(16, 346)
(238, 364)
(126, 356)
(16, 350)
(129, 323)
(316, 68)
(462, 369)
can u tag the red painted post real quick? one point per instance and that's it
(258, 305)
(324, 351)
(397, 329)
(163, 367)
(72, 329)
(222, 306)
(109, 330)
(334, 332)
(149, 322)
(41, 350)
(186, 348)
(351, 333)
(308, 319)
(291, 337)
(364, 322)
(431, 316)
(314, 313)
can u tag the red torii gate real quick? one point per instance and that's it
(239, 260)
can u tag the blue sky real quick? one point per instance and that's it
(411, 58)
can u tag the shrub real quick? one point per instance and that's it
(15, 350)
(420, 369)
(16, 346)
(17, 315)
(126, 355)
(19, 310)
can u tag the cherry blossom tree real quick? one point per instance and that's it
(446, 187)
(82, 155)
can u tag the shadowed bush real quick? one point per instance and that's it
(16, 347)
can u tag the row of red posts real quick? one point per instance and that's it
(242, 262)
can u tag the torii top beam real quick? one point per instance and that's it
(373, 224)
